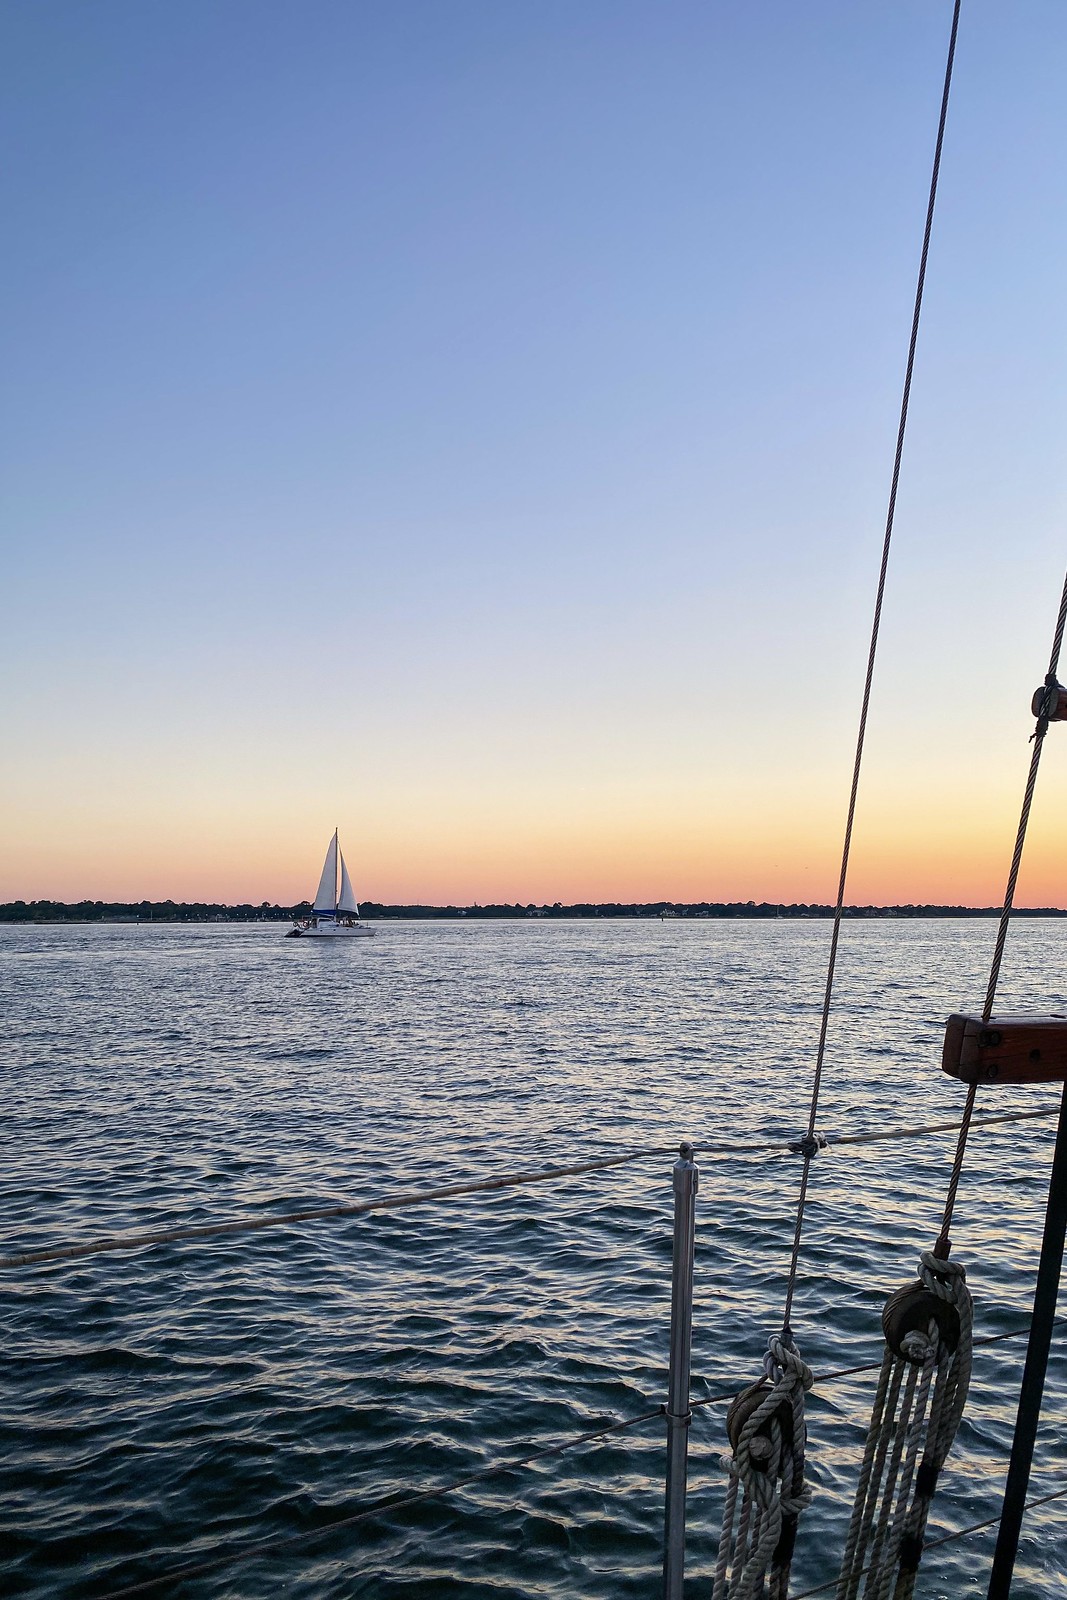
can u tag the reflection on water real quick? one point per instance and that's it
(157, 1406)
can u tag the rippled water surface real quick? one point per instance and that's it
(185, 1402)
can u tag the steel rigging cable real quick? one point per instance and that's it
(831, 968)
(767, 1490)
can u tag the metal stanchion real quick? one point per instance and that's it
(1033, 1384)
(679, 1415)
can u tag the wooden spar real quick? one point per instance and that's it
(1006, 1049)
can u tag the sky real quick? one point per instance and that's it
(470, 425)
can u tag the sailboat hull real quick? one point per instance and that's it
(332, 930)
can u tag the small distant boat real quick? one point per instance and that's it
(335, 913)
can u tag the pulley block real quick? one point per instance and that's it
(742, 1408)
(1006, 1049)
(1050, 701)
(910, 1310)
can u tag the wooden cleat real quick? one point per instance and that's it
(1006, 1049)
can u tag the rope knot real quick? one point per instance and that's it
(786, 1361)
(809, 1146)
(918, 1346)
(945, 1279)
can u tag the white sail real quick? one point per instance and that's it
(326, 893)
(347, 901)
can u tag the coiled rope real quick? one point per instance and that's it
(743, 1563)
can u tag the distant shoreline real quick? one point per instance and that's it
(85, 911)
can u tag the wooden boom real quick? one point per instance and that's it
(1006, 1049)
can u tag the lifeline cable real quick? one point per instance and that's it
(402, 1502)
(402, 1199)
(869, 1366)
(381, 1508)
(950, 1538)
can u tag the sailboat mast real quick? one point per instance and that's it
(336, 869)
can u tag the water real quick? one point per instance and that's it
(166, 1406)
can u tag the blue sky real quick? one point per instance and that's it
(471, 423)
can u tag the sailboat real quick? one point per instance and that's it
(335, 913)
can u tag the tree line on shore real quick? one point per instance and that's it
(38, 911)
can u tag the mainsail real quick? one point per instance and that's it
(326, 894)
(347, 901)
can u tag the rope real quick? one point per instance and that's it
(944, 1243)
(906, 1438)
(398, 1202)
(948, 1538)
(394, 1202)
(953, 1384)
(380, 1508)
(766, 1428)
(872, 652)
(932, 1366)
(937, 1127)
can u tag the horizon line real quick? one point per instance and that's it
(55, 910)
